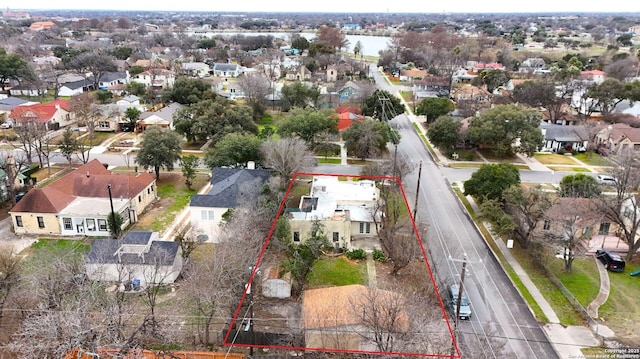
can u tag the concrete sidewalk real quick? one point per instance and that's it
(566, 341)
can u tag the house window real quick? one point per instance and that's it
(604, 228)
(18, 221)
(547, 225)
(139, 198)
(365, 228)
(628, 213)
(104, 124)
(40, 222)
(361, 227)
(336, 236)
(91, 225)
(66, 222)
(148, 190)
(296, 236)
(102, 225)
(207, 215)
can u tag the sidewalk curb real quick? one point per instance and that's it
(493, 253)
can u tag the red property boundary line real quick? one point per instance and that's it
(332, 350)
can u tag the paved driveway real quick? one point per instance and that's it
(10, 239)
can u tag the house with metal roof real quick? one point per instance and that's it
(140, 257)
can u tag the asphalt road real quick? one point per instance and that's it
(502, 325)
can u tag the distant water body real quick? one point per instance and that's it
(371, 45)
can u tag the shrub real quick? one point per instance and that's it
(561, 151)
(357, 254)
(379, 256)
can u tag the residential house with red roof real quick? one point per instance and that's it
(79, 203)
(51, 115)
(41, 25)
(479, 67)
(412, 74)
(346, 119)
(595, 76)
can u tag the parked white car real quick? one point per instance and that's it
(606, 180)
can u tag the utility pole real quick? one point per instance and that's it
(116, 231)
(415, 206)
(454, 340)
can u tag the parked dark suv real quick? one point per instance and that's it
(611, 261)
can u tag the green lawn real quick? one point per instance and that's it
(330, 160)
(558, 301)
(567, 169)
(100, 137)
(554, 159)
(336, 271)
(181, 198)
(593, 159)
(299, 189)
(357, 162)
(622, 309)
(537, 311)
(66, 245)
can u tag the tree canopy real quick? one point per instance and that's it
(382, 105)
(434, 107)
(188, 90)
(579, 185)
(299, 95)
(308, 124)
(491, 180)
(160, 148)
(13, 67)
(610, 93)
(508, 129)
(444, 133)
(212, 119)
(366, 139)
(540, 93)
(234, 150)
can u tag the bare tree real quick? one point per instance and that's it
(623, 208)
(27, 130)
(572, 216)
(255, 87)
(394, 228)
(397, 167)
(52, 334)
(384, 316)
(9, 275)
(11, 167)
(527, 206)
(287, 156)
(87, 113)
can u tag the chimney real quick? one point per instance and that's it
(88, 174)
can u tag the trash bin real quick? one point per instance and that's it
(136, 284)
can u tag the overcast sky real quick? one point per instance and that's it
(378, 6)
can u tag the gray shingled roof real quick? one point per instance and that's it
(226, 187)
(103, 250)
(562, 133)
(225, 67)
(12, 101)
